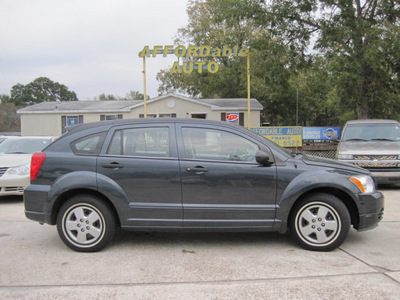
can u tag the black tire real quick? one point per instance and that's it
(85, 223)
(320, 222)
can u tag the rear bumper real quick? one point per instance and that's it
(371, 210)
(36, 203)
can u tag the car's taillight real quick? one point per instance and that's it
(37, 161)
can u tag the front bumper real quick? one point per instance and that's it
(13, 185)
(386, 177)
(370, 210)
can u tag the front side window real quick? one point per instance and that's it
(145, 142)
(211, 144)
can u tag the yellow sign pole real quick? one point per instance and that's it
(248, 89)
(144, 87)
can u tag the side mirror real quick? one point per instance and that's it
(334, 138)
(263, 158)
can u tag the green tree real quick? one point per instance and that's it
(104, 97)
(132, 95)
(238, 22)
(9, 119)
(215, 23)
(5, 98)
(360, 39)
(334, 60)
(42, 89)
(135, 95)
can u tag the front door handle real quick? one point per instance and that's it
(113, 165)
(197, 169)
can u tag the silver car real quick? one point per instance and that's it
(373, 145)
(15, 159)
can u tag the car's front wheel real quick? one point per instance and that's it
(86, 223)
(320, 222)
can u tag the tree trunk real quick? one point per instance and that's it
(362, 111)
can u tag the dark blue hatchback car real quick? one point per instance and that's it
(187, 174)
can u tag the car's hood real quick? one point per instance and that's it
(13, 160)
(330, 163)
(369, 148)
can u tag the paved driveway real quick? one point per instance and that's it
(35, 264)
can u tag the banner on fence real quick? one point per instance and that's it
(288, 136)
(320, 133)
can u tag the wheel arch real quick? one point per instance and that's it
(340, 194)
(80, 191)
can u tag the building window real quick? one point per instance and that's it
(141, 116)
(158, 116)
(235, 118)
(167, 115)
(199, 116)
(110, 117)
(70, 121)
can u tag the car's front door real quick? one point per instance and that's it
(142, 161)
(222, 184)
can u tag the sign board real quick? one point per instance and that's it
(72, 121)
(232, 117)
(288, 136)
(194, 51)
(320, 133)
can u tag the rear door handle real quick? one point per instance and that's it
(197, 169)
(113, 165)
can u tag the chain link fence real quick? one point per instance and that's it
(320, 150)
(321, 153)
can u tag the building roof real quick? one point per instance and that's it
(128, 105)
(80, 106)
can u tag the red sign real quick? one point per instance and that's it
(232, 117)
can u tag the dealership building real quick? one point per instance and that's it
(51, 118)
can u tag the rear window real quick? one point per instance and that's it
(88, 145)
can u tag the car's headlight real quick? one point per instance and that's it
(364, 182)
(345, 156)
(20, 170)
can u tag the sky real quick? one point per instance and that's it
(91, 46)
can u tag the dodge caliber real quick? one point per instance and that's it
(188, 174)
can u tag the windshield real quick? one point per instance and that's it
(372, 132)
(23, 146)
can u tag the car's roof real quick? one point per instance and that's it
(30, 137)
(111, 123)
(372, 121)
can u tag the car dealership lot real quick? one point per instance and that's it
(35, 264)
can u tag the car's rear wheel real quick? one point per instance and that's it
(320, 222)
(86, 223)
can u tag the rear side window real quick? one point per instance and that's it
(145, 142)
(88, 145)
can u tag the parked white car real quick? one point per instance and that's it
(15, 158)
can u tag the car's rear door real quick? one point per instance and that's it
(222, 184)
(142, 160)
